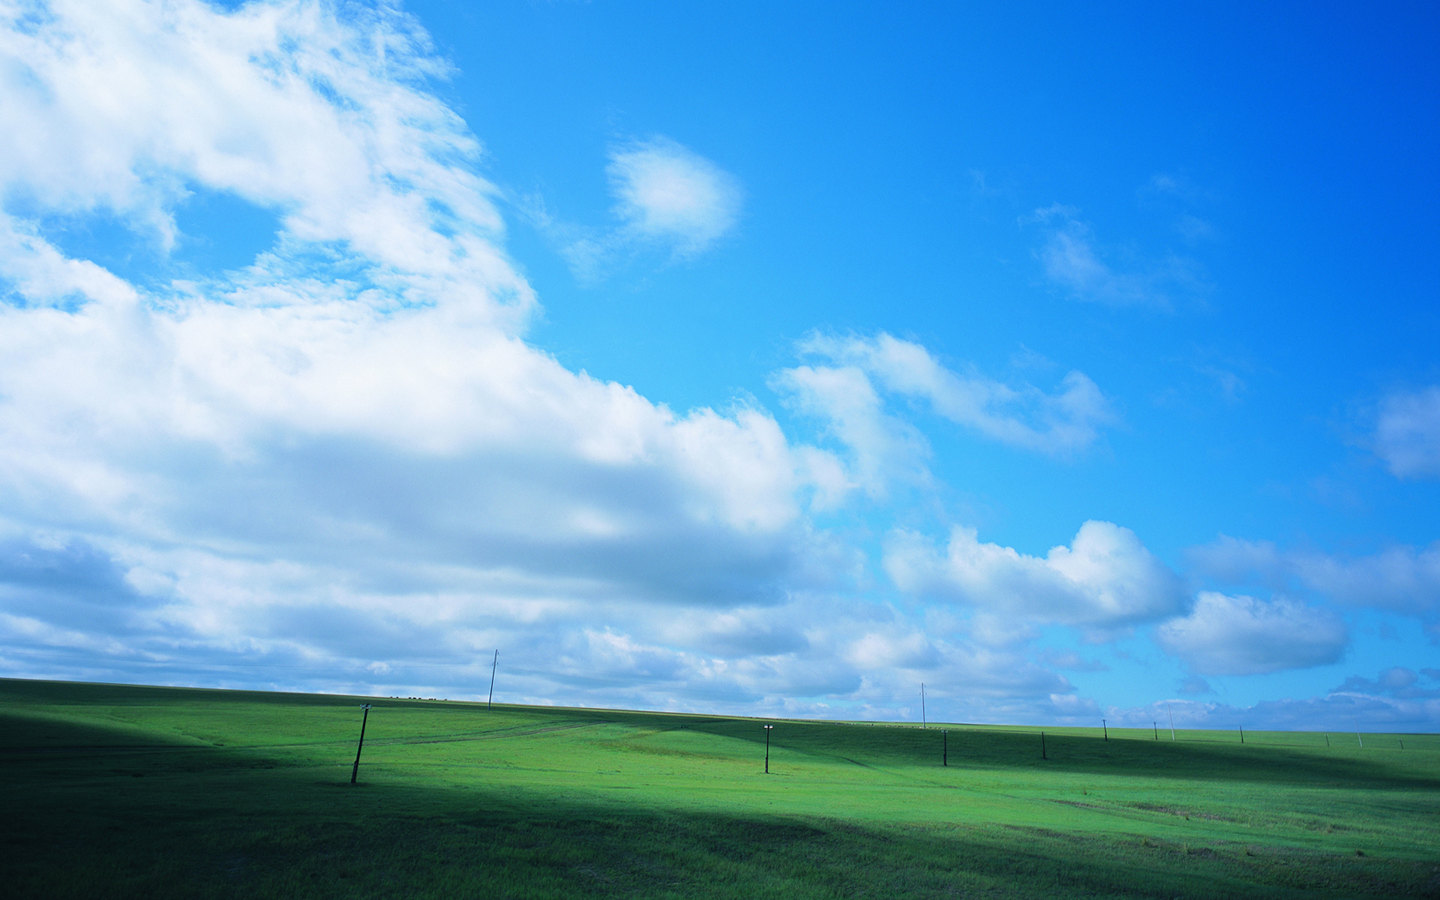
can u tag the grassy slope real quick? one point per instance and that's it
(175, 792)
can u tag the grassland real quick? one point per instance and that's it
(133, 791)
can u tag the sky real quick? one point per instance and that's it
(1073, 362)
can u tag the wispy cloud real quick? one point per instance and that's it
(129, 108)
(1067, 420)
(1403, 579)
(882, 449)
(666, 196)
(1407, 433)
(1074, 259)
(666, 192)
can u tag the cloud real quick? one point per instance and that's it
(1065, 421)
(853, 378)
(666, 197)
(128, 109)
(1407, 433)
(1403, 579)
(1105, 578)
(343, 459)
(665, 192)
(882, 448)
(1226, 635)
(1074, 260)
(1396, 681)
(1363, 704)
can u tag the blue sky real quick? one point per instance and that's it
(756, 358)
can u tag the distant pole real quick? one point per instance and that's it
(1327, 740)
(363, 719)
(1106, 726)
(923, 723)
(767, 748)
(945, 748)
(493, 666)
(1242, 734)
(1156, 726)
(1172, 721)
(1043, 754)
(1358, 739)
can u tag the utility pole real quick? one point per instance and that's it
(492, 679)
(923, 723)
(363, 719)
(767, 748)
(945, 748)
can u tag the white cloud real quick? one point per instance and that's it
(1226, 635)
(1105, 578)
(126, 108)
(343, 457)
(1403, 579)
(882, 448)
(849, 392)
(1074, 260)
(1407, 433)
(666, 197)
(667, 192)
(1023, 416)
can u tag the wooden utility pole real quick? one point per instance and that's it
(355, 771)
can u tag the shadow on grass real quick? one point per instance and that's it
(89, 810)
(992, 749)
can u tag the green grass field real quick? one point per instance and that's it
(130, 791)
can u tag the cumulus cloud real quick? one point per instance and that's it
(342, 457)
(1226, 635)
(1407, 433)
(1105, 578)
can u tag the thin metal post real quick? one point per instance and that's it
(923, 723)
(493, 666)
(1156, 726)
(355, 770)
(945, 748)
(1242, 734)
(767, 748)
(1043, 754)
(1104, 725)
